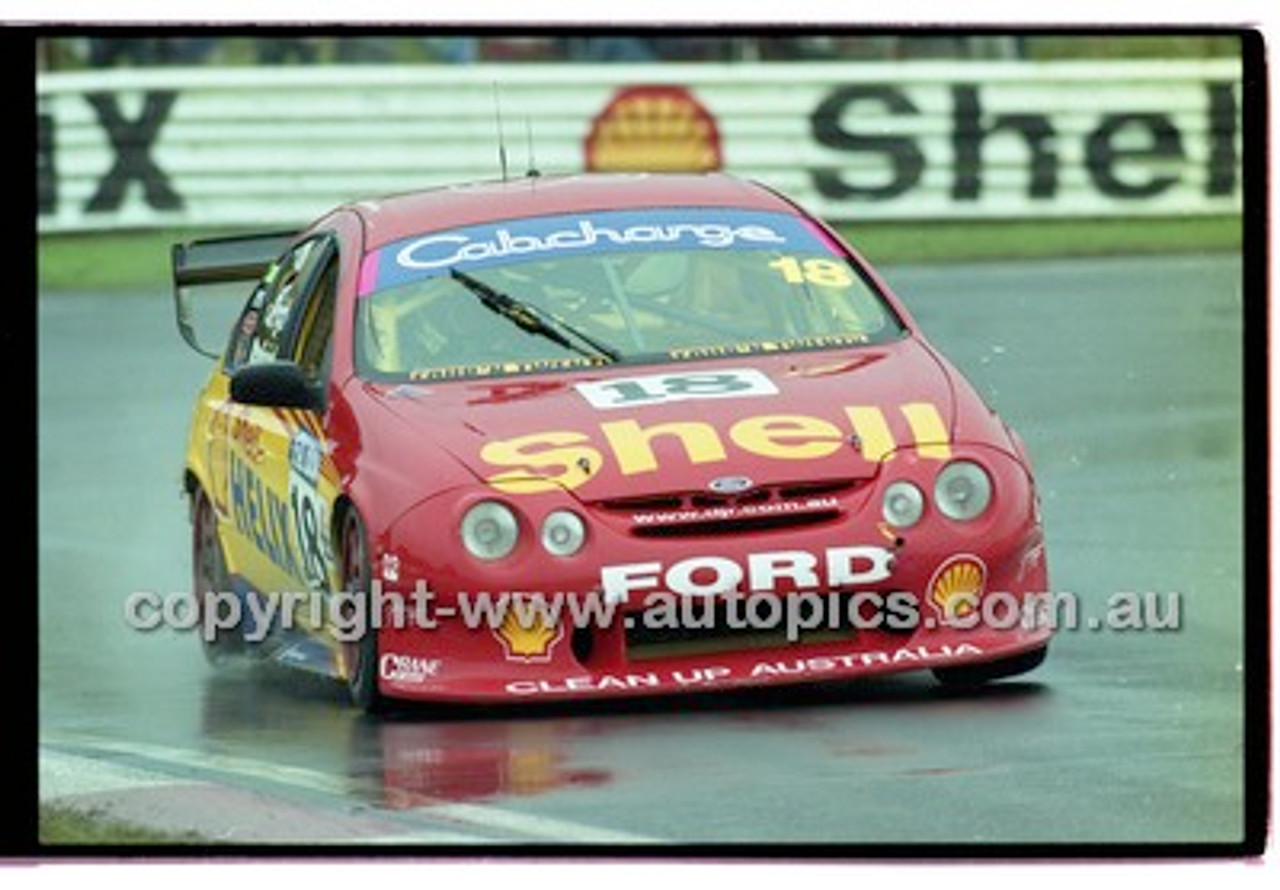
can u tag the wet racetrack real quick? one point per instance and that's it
(1124, 376)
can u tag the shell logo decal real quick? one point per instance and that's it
(957, 585)
(527, 634)
(654, 128)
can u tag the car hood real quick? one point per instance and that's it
(637, 431)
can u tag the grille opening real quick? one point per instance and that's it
(582, 644)
(786, 505)
(730, 500)
(657, 502)
(686, 500)
(734, 526)
(816, 489)
(739, 641)
(710, 628)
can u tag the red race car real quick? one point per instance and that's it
(596, 435)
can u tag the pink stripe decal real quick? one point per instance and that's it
(368, 274)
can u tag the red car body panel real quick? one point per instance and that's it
(836, 427)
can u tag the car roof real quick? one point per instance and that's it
(398, 216)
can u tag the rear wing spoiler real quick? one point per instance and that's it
(234, 258)
(220, 261)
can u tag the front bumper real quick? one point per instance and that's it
(828, 594)
(657, 642)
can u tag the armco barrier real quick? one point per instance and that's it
(869, 141)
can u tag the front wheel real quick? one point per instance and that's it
(361, 653)
(977, 674)
(211, 583)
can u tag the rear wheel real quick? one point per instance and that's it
(977, 674)
(357, 576)
(211, 584)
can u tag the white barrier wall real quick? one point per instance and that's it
(248, 147)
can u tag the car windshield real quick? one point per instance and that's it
(567, 291)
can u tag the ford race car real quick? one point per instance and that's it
(594, 435)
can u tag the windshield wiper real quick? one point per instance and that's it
(534, 320)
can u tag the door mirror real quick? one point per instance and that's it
(276, 385)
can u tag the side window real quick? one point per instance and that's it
(269, 320)
(246, 327)
(315, 327)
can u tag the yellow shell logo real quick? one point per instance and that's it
(957, 585)
(654, 128)
(527, 634)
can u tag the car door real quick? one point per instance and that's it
(272, 474)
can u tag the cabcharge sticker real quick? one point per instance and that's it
(550, 237)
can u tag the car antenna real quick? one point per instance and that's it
(497, 116)
(533, 172)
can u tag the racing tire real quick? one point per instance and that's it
(978, 674)
(361, 653)
(210, 580)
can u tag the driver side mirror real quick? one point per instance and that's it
(276, 385)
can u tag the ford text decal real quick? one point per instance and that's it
(550, 237)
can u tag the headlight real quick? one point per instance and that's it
(489, 530)
(903, 504)
(962, 490)
(563, 533)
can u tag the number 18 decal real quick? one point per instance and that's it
(823, 273)
(310, 513)
(628, 392)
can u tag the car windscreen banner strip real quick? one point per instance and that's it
(546, 238)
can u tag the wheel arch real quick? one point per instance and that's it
(342, 505)
(191, 484)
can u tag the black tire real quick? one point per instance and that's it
(978, 674)
(209, 579)
(357, 577)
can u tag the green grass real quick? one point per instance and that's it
(62, 825)
(1104, 45)
(106, 261)
(930, 242)
(140, 260)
